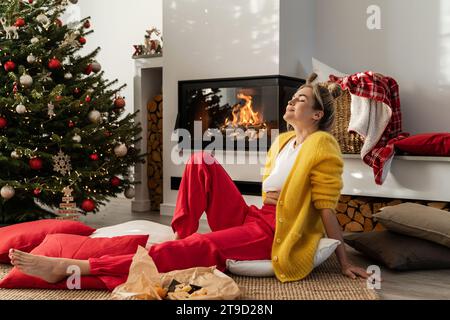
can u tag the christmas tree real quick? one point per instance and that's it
(62, 125)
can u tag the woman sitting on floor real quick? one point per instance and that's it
(301, 188)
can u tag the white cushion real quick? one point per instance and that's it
(158, 232)
(263, 268)
(324, 71)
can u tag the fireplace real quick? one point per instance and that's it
(240, 112)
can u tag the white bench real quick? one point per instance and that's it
(410, 177)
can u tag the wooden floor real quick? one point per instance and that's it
(433, 284)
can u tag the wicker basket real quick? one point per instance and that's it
(350, 142)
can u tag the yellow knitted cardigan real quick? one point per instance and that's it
(314, 183)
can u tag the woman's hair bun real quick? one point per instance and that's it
(335, 90)
(313, 76)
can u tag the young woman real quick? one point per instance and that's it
(301, 188)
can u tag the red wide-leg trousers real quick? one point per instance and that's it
(239, 231)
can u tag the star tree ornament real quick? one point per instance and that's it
(61, 163)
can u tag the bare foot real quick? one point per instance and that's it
(52, 270)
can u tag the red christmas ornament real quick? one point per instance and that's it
(116, 182)
(119, 103)
(82, 40)
(71, 124)
(30, 1)
(54, 64)
(94, 157)
(35, 163)
(88, 205)
(87, 24)
(58, 98)
(20, 22)
(108, 134)
(88, 69)
(37, 192)
(3, 123)
(9, 66)
(76, 91)
(58, 22)
(88, 99)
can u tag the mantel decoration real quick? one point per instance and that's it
(152, 47)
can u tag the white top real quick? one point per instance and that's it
(283, 165)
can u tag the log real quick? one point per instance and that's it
(379, 227)
(156, 156)
(153, 118)
(394, 202)
(437, 205)
(158, 98)
(150, 171)
(359, 218)
(343, 219)
(377, 206)
(353, 203)
(345, 199)
(351, 212)
(341, 208)
(366, 211)
(152, 106)
(353, 227)
(368, 225)
(152, 184)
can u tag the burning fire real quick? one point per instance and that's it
(244, 115)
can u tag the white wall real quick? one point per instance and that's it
(117, 25)
(297, 36)
(413, 47)
(214, 39)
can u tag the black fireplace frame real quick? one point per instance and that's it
(268, 80)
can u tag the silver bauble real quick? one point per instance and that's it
(130, 193)
(34, 40)
(26, 80)
(7, 192)
(95, 116)
(121, 150)
(21, 109)
(31, 59)
(76, 138)
(15, 155)
(68, 76)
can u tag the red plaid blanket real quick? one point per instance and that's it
(375, 86)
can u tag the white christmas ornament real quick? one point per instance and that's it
(76, 138)
(34, 40)
(130, 193)
(26, 80)
(7, 192)
(31, 59)
(121, 150)
(68, 76)
(15, 155)
(96, 67)
(94, 116)
(21, 109)
(44, 20)
(61, 163)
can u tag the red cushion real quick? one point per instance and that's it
(75, 247)
(27, 236)
(427, 144)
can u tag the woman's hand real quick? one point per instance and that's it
(272, 197)
(353, 272)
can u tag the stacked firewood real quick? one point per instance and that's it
(155, 147)
(355, 214)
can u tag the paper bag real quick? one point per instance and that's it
(146, 283)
